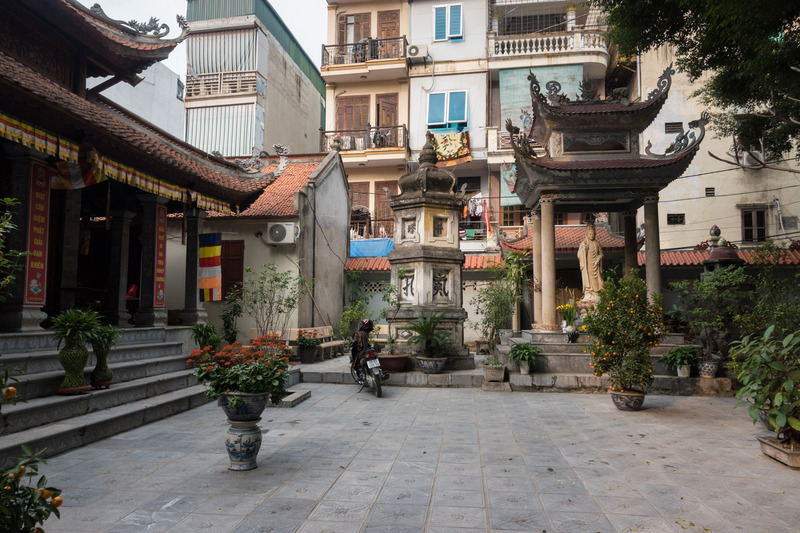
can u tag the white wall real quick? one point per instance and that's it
(475, 22)
(154, 99)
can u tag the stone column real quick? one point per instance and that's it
(548, 264)
(536, 245)
(116, 308)
(652, 246)
(629, 231)
(147, 314)
(193, 311)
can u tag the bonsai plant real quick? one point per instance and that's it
(524, 354)
(75, 327)
(307, 344)
(623, 328)
(680, 358)
(428, 337)
(769, 370)
(102, 339)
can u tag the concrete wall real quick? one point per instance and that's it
(733, 186)
(154, 99)
(475, 22)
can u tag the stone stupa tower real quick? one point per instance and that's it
(427, 253)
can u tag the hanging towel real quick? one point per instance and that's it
(452, 148)
(210, 267)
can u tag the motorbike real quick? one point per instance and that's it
(366, 371)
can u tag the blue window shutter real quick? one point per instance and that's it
(436, 108)
(455, 21)
(440, 23)
(457, 108)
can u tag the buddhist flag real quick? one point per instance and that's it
(210, 269)
(88, 171)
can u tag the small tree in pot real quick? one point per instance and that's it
(75, 327)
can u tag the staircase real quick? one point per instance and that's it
(564, 367)
(151, 382)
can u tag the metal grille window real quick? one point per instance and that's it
(710, 191)
(543, 23)
(676, 218)
(180, 90)
(754, 225)
(673, 127)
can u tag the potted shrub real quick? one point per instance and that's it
(623, 327)
(27, 502)
(243, 379)
(524, 354)
(569, 312)
(681, 359)
(102, 339)
(428, 337)
(206, 335)
(769, 369)
(75, 327)
(307, 343)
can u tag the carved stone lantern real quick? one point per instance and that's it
(427, 254)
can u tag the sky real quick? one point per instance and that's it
(307, 20)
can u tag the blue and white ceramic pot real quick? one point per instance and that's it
(243, 440)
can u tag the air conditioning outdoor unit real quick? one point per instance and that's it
(282, 232)
(417, 53)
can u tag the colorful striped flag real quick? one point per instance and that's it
(88, 171)
(210, 267)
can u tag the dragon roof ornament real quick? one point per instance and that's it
(663, 84)
(684, 141)
(145, 29)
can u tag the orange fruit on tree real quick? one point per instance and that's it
(9, 392)
(47, 493)
(57, 501)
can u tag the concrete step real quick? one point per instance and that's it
(64, 435)
(41, 411)
(44, 384)
(662, 384)
(36, 341)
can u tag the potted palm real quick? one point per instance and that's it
(427, 336)
(102, 339)
(75, 327)
(524, 354)
(680, 359)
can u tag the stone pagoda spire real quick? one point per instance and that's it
(427, 260)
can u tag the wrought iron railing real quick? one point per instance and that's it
(375, 137)
(366, 50)
(379, 228)
(472, 230)
(547, 43)
(222, 83)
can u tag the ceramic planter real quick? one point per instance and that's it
(786, 454)
(431, 365)
(243, 439)
(307, 354)
(393, 363)
(627, 401)
(524, 367)
(708, 369)
(494, 373)
(684, 371)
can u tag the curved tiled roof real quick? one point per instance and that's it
(693, 258)
(381, 264)
(569, 237)
(612, 164)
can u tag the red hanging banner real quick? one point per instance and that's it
(38, 217)
(161, 257)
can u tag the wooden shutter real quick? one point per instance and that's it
(361, 24)
(387, 109)
(352, 112)
(232, 266)
(359, 194)
(384, 216)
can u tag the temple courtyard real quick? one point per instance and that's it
(437, 460)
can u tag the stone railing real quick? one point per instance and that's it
(547, 43)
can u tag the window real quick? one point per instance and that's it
(180, 90)
(513, 215)
(673, 127)
(544, 23)
(353, 28)
(448, 108)
(447, 23)
(754, 225)
(710, 191)
(232, 266)
(559, 219)
(676, 218)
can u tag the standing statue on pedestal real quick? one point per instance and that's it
(590, 257)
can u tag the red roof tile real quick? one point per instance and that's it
(277, 200)
(569, 237)
(381, 264)
(696, 257)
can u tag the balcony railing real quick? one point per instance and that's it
(372, 229)
(364, 139)
(366, 50)
(550, 43)
(222, 83)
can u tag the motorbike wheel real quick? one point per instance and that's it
(374, 383)
(354, 375)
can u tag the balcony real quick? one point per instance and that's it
(223, 84)
(370, 59)
(371, 146)
(568, 47)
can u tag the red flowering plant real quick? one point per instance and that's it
(261, 367)
(623, 327)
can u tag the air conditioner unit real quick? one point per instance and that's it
(282, 232)
(417, 53)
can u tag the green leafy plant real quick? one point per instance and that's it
(231, 312)
(261, 367)
(269, 297)
(26, 502)
(680, 355)
(307, 338)
(102, 339)
(75, 326)
(524, 351)
(494, 304)
(357, 307)
(769, 370)
(10, 260)
(427, 335)
(494, 363)
(623, 327)
(206, 335)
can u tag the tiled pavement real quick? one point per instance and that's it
(437, 460)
